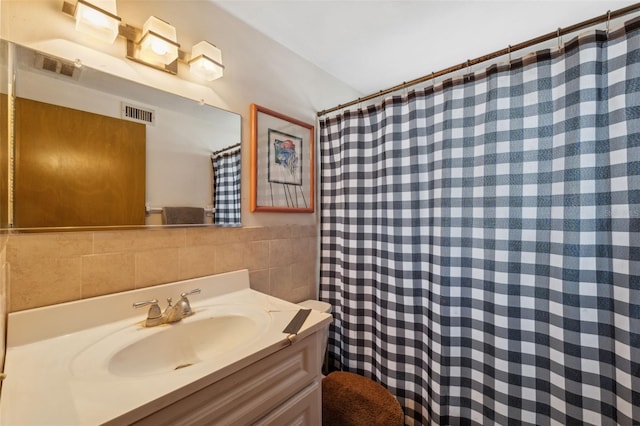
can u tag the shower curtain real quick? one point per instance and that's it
(480, 240)
(226, 188)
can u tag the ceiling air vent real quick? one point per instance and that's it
(57, 66)
(49, 64)
(138, 114)
(67, 69)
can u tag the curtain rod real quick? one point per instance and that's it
(225, 149)
(506, 51)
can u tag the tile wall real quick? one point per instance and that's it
(50, 268)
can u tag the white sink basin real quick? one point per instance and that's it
(203, 337)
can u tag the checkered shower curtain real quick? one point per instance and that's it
(480, 240)
(226, 189)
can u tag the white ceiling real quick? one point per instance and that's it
(375, 45)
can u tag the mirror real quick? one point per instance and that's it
(181, 134)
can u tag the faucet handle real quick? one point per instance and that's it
(186, 306)
(154, 316)
(145, 303)
(194, 291)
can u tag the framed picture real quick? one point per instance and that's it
(282, 158)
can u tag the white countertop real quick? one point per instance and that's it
(51, 379)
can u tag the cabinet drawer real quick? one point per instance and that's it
(303, 409)
(249, 394)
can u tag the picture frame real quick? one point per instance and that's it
(282, 163)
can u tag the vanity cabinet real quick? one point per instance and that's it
(282, 389)
(90, 362)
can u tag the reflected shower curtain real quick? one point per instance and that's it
(480, 240)
(226, 188)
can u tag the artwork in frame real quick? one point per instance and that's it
(282, 160)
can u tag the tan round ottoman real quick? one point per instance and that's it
(349, 399)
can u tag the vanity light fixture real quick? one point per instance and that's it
(155, 45)
(158, 44)
(97, 18)
(206, 61)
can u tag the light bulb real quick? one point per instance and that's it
(207, 66)
(159, 47)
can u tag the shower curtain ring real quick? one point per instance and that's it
(559, 38)
(608, 21)
(509, 55)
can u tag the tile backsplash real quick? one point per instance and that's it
(50, 268)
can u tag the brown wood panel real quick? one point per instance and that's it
(75, 168)
(4, 145)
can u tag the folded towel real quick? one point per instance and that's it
(182, 215)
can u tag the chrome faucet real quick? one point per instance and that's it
(172, 313)
(181, 309)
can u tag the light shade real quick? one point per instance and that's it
(158, 45)
(206, 61)
(98, 19)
